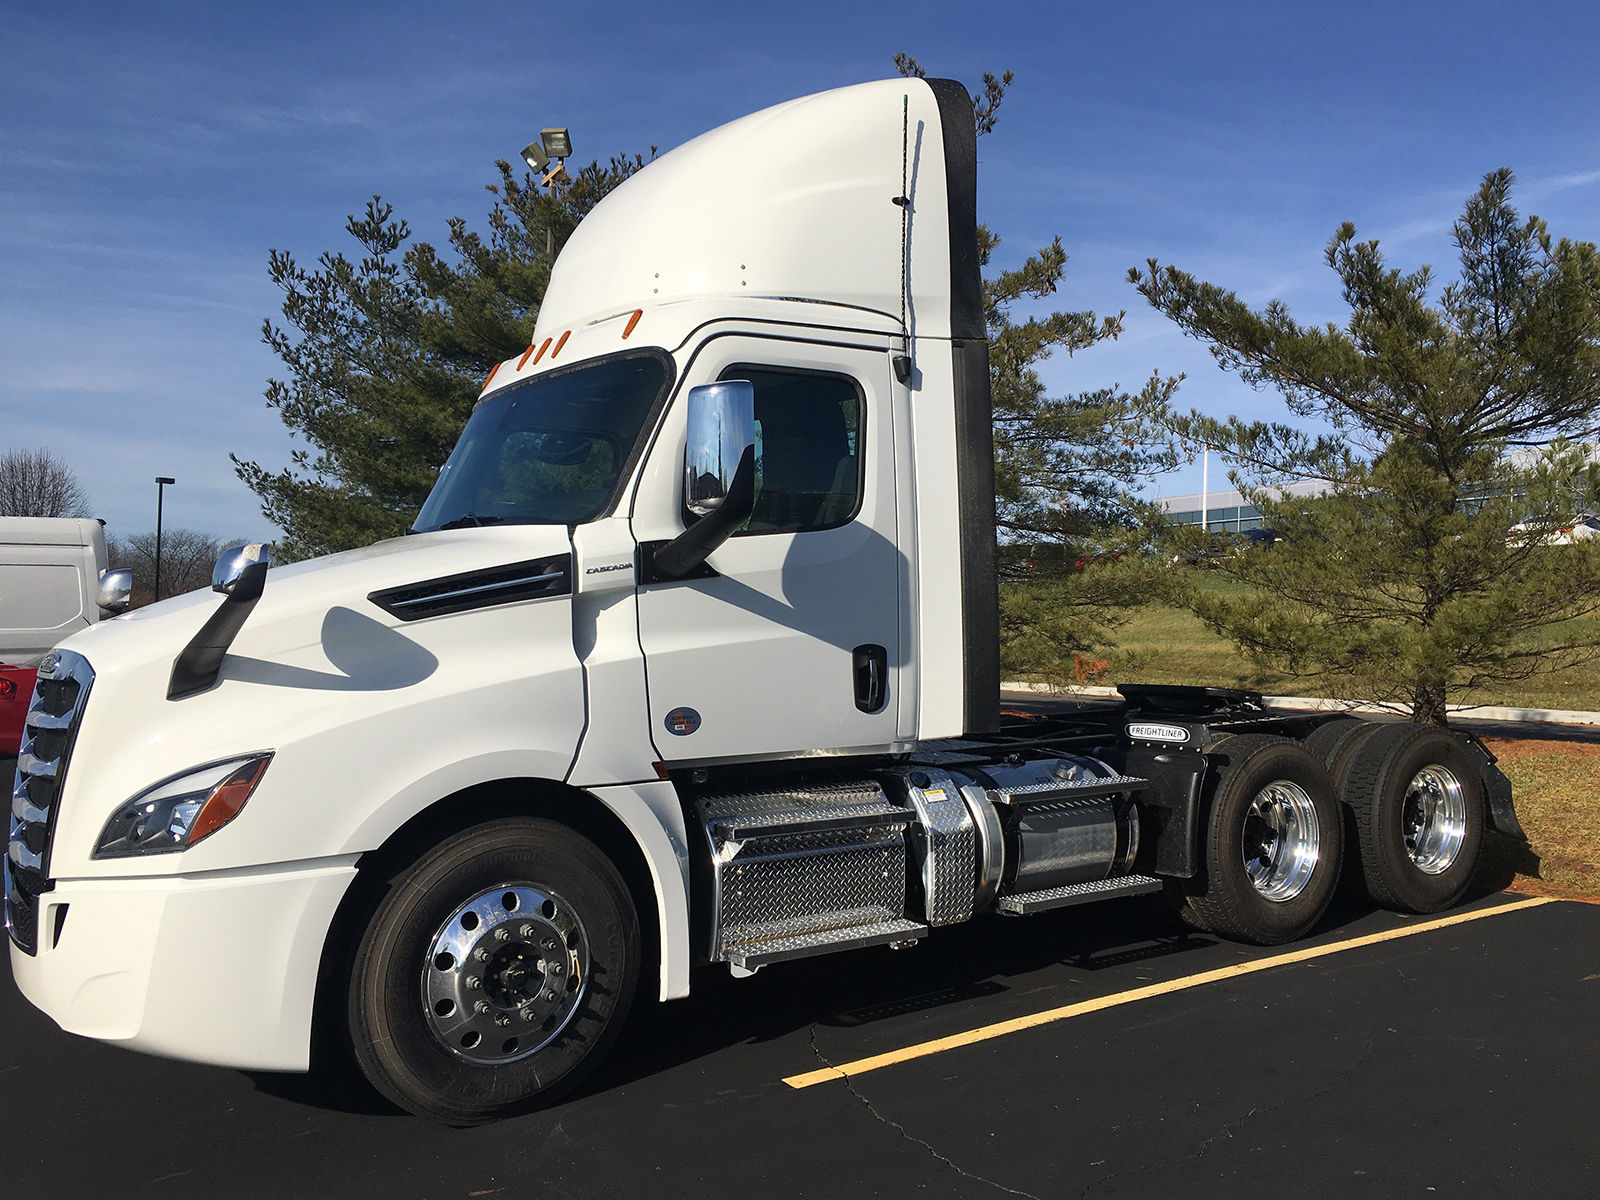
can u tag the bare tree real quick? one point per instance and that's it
(186, 560)
(35, 483)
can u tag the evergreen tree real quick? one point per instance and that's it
(1072, 527)
(1405, 580)
(386, 355)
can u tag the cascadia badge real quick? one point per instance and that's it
(681, 722)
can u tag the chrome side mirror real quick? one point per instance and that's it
(722, 427)
(116, 589)
(719, 477)
(240, 575)
(231, 565)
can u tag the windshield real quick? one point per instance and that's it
(550, 452)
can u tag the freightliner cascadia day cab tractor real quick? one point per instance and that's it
(691, 658)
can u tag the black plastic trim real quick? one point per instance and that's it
(960, 138)
(974, 414)
(980, 584)
(534, 579)
(196, 668)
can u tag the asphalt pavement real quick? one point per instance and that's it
(1453, 1061)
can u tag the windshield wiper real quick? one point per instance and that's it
(471, 518)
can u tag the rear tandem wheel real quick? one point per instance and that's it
(1272, 843)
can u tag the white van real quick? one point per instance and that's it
(53, 582)
(50, 576)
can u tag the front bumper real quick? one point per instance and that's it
(216, 968)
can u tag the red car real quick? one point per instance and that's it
(16, 690)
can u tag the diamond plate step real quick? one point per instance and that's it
(1025, 904)
(746, 959)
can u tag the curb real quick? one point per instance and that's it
(1481, 712)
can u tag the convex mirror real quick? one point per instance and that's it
(231, 564)
(722, 427)
(116, 589)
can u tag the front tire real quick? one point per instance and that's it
(1273, 843)
(1417, 800)
(495, 972)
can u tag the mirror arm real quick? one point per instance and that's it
(691, 547)
(197, 667)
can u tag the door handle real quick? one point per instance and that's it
(871, 677)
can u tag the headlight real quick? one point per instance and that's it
(178, 813)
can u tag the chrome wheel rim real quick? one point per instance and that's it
(1280, 841)
(1433, 819)
(505, 973)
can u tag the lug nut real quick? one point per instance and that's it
(480, 1007)
(481, 954)
(474, 982)
(529, 1015)
(555, 968)
(502, 1020)
(549, 943)
(501, 935)
(526, 933)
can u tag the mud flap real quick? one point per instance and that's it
(1496, 789)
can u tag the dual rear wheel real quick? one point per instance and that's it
(1407, 798)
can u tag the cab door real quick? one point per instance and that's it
(790, 639)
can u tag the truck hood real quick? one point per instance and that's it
(350, 699)
(300, 598)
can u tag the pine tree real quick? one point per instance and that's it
(386, 354)
(1405, 580)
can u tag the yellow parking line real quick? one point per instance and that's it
(1000, 1028)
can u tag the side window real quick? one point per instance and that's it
(808, 449)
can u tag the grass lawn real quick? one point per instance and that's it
(1556, 786)
(1170, 645)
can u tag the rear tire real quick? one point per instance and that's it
(1417, 802)
(1337, 744)
(1329, 742)
(1272, 845)
(495, 972)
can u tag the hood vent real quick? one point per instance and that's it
(531, 580)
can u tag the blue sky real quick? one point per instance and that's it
(150, 155)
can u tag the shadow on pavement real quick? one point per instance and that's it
(991, 966)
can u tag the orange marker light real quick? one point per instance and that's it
(632, 321)
(542, 349)
(521, 362)
(561, 343)
(487, 379)
(227, 798)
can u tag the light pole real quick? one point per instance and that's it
(161, 485)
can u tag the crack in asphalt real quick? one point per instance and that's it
(1231, 1128)
(901, 1130)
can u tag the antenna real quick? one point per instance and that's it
(902, 362)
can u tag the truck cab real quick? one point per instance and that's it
(690, 659)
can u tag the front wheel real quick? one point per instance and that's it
(1273, 843)
(494, 973)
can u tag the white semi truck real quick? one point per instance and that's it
(691, 658)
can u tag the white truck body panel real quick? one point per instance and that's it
(792, 201)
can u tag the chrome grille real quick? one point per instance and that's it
(50, 729)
